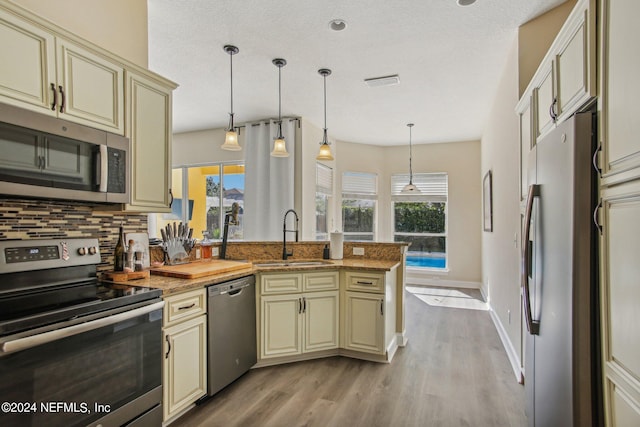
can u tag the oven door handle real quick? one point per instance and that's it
(25, 343)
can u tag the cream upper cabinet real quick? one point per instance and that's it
(90, 88)
(28, 65)
(185, 351)
(47, 73)
(620, 68)
(525, 118)
(565, 81)
(149, 129)
(292, 324)
(620, 210)
(545, 100)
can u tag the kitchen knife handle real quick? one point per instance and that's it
(532, 326)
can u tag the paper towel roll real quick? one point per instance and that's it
(336, 245)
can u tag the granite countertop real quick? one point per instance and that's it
(173, 285)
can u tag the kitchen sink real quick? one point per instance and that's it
(291, 263)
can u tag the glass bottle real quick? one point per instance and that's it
(119, 253)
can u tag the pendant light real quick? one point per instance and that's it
(279, 145)
(231, 137)
(410, 188)
(325, 149)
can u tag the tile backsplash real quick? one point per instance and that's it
(38, 219)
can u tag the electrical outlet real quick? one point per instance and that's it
(358, 251)
(214, 251)
(509, 315)
(198, 253)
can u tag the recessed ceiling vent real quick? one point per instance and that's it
(383, 81)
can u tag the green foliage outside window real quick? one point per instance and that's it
(357, 215)
(419, 217)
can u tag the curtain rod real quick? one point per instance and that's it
(266, 122)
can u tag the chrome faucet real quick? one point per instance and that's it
(286, 254)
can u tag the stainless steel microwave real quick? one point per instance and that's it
(47, 157)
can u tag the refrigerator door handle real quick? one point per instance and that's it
(532, 325)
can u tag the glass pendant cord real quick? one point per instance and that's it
(325, 150)
(231, 136)
(231, 71)
(279, 101)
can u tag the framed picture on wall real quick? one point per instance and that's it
(487, 202)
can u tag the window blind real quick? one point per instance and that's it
(324, 179)
(434, 187)
(359, 185)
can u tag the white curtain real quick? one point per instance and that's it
(268, 180)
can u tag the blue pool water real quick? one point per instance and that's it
(428, 261)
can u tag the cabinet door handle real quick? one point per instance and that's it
(62, 99)
(382, 307)
(362, 282)
(594, 160)
(55, 97)
(170, 195)
(166, 337)
(299, 305)
(304, 303)
(552, 109)
(186, 307)
(595, 217)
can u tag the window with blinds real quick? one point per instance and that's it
(359, 195)
(421, 219)
(433, 187)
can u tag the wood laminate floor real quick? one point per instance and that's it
(453, 372)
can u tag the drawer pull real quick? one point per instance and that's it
(186, 307)
(362, 282)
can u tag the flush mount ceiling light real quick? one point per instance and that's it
(279, 145)
(410, 188)
(325, 149)
(383, 81)
(231, 137)
(466, 2)
(337, 24)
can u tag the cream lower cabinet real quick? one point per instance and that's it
(364, 330)
(369, 306)
(292, 324)
(45, 72)
(185, 352)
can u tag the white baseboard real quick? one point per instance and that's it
(436, 281)
(512, 355)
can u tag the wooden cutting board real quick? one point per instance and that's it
(198, 269)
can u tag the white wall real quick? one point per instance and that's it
(119, 26)
(461, 161)
(200, 147)
(501, 248)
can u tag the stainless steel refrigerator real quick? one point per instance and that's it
(559, 279)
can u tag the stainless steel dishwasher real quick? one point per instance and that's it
(232, 331)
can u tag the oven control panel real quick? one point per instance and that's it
(31, 253)
(36, 254)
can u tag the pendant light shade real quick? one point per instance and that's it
(325, 149)
(410, 188)
(279, 145)
(231, 137)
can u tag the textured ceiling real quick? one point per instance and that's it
(449, 59)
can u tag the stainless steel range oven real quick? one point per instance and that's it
(75, 351)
